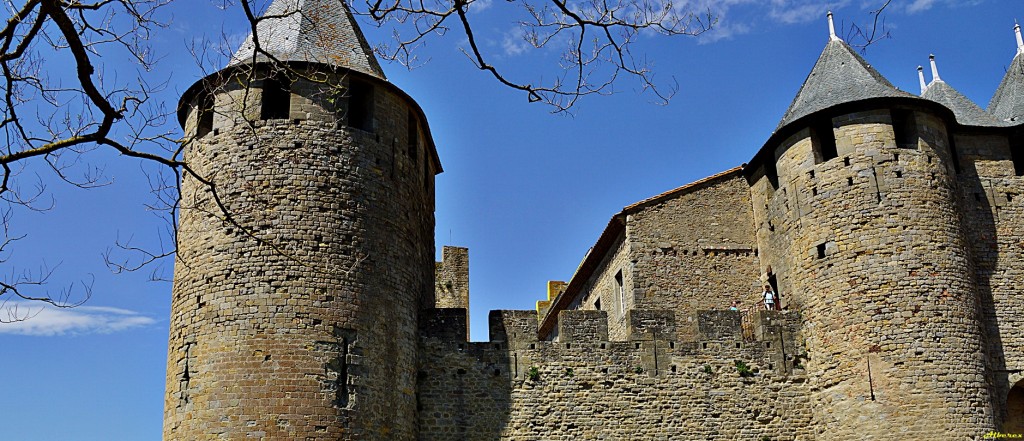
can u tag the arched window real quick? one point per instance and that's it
(1015, 409)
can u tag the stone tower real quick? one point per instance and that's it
(857, 214)
(305, 243)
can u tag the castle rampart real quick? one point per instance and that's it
(586, 387)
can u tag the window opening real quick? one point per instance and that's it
(204, 124)
(412, 135)
(1017, 153)
(597, 304)
(823, 140)
(622, 293)
(360, 105)
(276, 96)
(955, 157)
(904, 127)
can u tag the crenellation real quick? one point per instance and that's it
(887, 225)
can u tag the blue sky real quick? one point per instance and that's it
(527, 191)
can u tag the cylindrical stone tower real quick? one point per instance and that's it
(305, 241)
(857, 216)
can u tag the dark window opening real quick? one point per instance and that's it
(204, 123)
(904, 126)
(360, 105)
(622, 293)
(412, 135)
(846, 161)
(772, 174)
(821, 251)
(823, 140)
(597, 304)
(276, 96)
(814, 191)
(1017, 153)
(899, 174)
(849, 182)
(955, 157)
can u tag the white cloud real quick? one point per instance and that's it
(514, 43)
(803, 11)
(46, 320)
(920, 5)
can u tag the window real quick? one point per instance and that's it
(597, 304)
(412, 135)
(1017, 153)
(204, 122)
(905, 128)
(622, 293)
(823, 140)
(276, 96)
(360, 105)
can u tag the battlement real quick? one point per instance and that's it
(518, 328)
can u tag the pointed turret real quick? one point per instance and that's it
(966, 111)
(320, 31)
(839, 76)
(1008, 102)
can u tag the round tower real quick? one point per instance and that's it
(305, 241)
(856, 203)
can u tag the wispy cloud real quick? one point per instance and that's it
(46, 320)
(514, 43)
(802, 11)
(920, 5)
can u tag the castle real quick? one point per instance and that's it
(307, 304)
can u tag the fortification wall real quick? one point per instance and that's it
(871, 249)
(451, 280)
(696, 251)
(297, 317)
(586, 387)
(995, 217)
(609, 288)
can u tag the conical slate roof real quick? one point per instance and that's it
(839, 76)
(1008, 102)
(967, 113)
(321, 31)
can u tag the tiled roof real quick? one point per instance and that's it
(1008, 102)
(967, 113)
(321, 31)
(839, 76)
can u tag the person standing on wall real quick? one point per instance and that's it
(769, 298)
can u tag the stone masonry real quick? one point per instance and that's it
(307, 304)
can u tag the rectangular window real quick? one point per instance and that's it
(360, 105)
(204, 123)
(904, 127)
(1017, 153)
(622, 293)
(413, 136)
(276, 97)
(823, 140)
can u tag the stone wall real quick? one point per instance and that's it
(995, 216)
(609, 288)
(592, 388)
(451, 280)
(870, 247)
(695, 251)
(294, 315)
